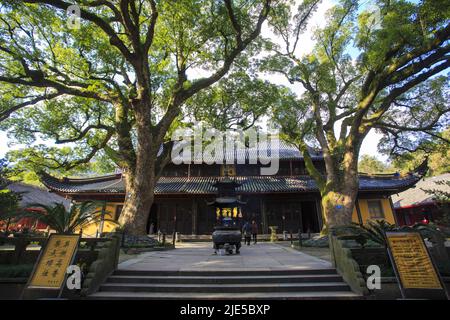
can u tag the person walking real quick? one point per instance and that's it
(247, 230)
(254, 231)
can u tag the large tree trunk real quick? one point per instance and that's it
(140, 178)
(138, 201)
(337, 208)
(340, 194)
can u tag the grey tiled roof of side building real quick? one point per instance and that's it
(32, 195)
(417, 196)
(204, 185)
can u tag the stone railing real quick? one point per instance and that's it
(106, 262)
(16, 249)
(97, 257)
(346, 266)
(25, 250)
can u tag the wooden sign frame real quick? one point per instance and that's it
(416, 293)
(36, 292)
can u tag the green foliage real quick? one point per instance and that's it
(81, 90)
(412, 129)
(62, 220)
(428, 230)
(16, 271)
(374, 231)
(355, 79)
(442, 197)
(371, 164)
(26, 177)
(371, 231)
(375, 65)
(436, 149)
(238, 101)
(9, 200)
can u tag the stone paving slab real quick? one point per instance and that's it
(200, 256)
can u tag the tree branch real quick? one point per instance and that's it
(102, 24)
(5, 114)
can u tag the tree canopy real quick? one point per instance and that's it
(108, 91)
(372, 67)
(113, 84)
(371, 164)
(83, 82)
(9, 200)
(436, 150)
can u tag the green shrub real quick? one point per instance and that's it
(16, 271)
(318, 242)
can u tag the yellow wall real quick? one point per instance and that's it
(387, 210)
(90, 230)
(355, 215)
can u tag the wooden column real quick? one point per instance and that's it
(265, 227)
(158, 218)
(393, 211)
(102, 220)
(358, 211)
(300, 219)
(175, 223)
(194, 216)
(319, 214)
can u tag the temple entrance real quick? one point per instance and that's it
(153, 219)
(292, 216)
(171, 216)
(197, 218)
(309, 217)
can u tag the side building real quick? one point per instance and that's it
(419, 204)
(290, 199)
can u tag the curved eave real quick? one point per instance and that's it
(113, 185)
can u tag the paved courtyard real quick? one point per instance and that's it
(200, 256)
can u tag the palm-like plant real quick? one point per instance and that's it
(62, 220)
(373, 230)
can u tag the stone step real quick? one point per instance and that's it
(334, 295)
(228, 272)
(225, 288)
(243, 279)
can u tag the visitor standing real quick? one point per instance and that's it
(254, 231)
(247, 229)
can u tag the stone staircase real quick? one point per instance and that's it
(238, 284)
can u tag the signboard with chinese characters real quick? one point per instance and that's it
(50, 270)
(414, 267)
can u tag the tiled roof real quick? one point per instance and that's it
(272, 148)
(417, 196)
(204, 185)
(33, 194)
